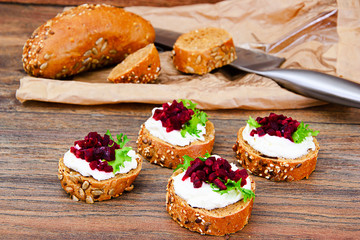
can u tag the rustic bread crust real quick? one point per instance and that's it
(204, 58)
(142, 66)
(85, 37)
(218, 222)
(276, 169)
(90, 190)
(167, 155)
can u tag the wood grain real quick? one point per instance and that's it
(34, 135)
(120, 3)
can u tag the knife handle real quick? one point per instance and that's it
(165, 38)
(317, 85)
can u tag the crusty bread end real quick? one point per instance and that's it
(82, 38)
(142, 66)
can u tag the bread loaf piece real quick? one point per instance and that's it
(200, 51)
(82, 38)
(219, 222)
(167, 155)
(90, 190)
(276, 169)
(142, 66)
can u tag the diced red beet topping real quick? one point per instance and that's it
(173, 116)
(276, 125)
(213, 170)
(95, 148)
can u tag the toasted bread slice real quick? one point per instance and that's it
(89, 189)
(142, 66)
(200, 51)
(276, 169)
(167, 155)
(219, 221)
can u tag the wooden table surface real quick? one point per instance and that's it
(34, 135)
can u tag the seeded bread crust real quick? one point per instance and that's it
(275, 169)
(90, 190)
(218, 222)
(142, 66)
(212, 48)
(85, 37)
(167, 155)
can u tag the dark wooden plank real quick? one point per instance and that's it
(120, 3)
(34, 135)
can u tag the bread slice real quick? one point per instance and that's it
(276, 169)
(89, 189)
(200, 51)
(167, 155)
(142, 66)
(219, 222)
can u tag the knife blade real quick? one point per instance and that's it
(308, 83)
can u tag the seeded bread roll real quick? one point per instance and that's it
(167, 155)
(142, 66)
(276, 169)
(82, 38)
(219, 221)
(90, 190)
(200, 51)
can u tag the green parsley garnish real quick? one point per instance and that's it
(302, 132)
(253, 123)
(199, 117)
(120, 154)
(232, 185)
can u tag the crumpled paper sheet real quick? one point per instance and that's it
(304, 33)
(349, 40)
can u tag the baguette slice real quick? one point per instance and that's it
(89, 189)
(142, 66)
(276, 169)
(219, 222)
(167, 155)
(200, 51)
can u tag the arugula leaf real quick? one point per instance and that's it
(120, 157)
(232, 185)
(199, 117)
(302, 132)
(253, 123)
(122, 139)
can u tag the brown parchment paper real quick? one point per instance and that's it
(305, 33)
(349, 39)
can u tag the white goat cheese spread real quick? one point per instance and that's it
(205, 197)
(174, 137)
(273, 146)
(83, 167)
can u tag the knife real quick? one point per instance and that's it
(308, 83)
